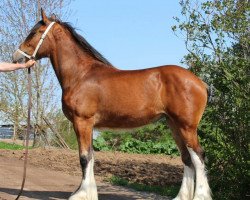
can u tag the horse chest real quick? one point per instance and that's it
(79, 104)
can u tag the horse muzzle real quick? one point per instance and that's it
(18, 57)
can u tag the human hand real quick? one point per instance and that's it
(29, 63)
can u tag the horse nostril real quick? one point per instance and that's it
(18, 58)
(21, 60)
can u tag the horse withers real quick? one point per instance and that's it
(95, 94)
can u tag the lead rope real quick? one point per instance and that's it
(29, 102)
(27, 134)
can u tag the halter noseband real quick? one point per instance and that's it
(39, 43)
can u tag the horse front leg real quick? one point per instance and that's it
(87, 190)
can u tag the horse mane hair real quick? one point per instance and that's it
(78, 38)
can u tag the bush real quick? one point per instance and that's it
(217, 39)
(100, 144)
(151, 139)
(148, 147)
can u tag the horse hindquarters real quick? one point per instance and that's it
(185, 97)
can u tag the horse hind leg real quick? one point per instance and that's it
(190, 139)
(87, 190)
(202, 190)
(186, 191)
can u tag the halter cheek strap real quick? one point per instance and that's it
(39, 43)
(25, 54)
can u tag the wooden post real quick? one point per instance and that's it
(59, 137)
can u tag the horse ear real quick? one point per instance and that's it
(44, 17)
(53, 17)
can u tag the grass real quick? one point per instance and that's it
(170, 191)
(4, 145)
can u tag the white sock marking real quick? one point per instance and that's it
(187, 187)
(202, 190)
(87, 190)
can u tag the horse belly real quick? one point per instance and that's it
(130, 112)
(116, 121)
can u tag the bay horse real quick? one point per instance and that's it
(95, 94)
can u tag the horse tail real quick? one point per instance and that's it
(210, 92)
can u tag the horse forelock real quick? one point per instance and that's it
(34, 29)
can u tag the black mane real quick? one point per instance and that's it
(78, 38)
(84, 44)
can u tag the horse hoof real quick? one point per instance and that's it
(83, 196)
(202, 197)
(180, 198)
(79, 196)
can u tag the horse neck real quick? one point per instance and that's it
(70, 62)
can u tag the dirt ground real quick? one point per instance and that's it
(55, 173)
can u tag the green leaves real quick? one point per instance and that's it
(100, 144)
(151, 139)
(137, 146)
(149, 147)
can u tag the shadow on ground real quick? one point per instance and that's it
(52, 195)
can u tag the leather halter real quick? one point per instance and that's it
(39, 43)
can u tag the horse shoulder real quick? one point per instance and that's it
(81, 100)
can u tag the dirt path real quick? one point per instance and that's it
(49, 177)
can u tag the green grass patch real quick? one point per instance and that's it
(170, 191)
(4, 145)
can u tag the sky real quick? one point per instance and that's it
(131, 34)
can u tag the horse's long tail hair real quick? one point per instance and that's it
(210, 93)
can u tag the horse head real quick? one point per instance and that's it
(38, 43)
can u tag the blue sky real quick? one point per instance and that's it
(131, 34)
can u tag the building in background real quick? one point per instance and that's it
(6, 131)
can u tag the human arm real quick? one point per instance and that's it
(5, 67)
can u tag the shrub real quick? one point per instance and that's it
(151, 139)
